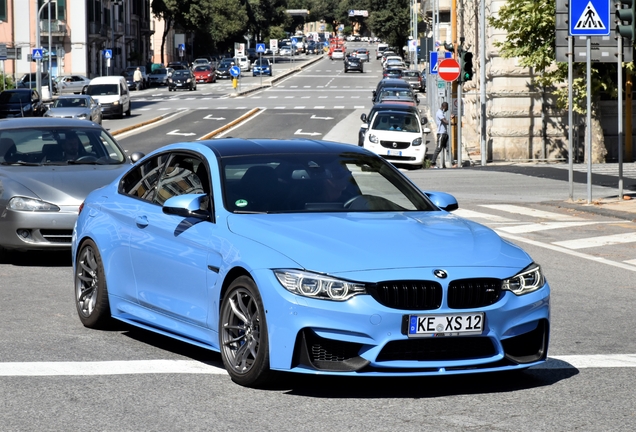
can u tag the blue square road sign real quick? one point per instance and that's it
(589, 18)
(260, 47)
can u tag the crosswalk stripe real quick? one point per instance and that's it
(544, 226)
(510, 208)
(598, 241)
(471, 214)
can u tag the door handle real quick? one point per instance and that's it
(141, 221)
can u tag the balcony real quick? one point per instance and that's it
(58, 28)
(97, 31)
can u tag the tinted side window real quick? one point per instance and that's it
(179, 178)
(141, 182)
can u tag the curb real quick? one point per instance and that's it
(230, 124)
(595, 209)
(138, 125)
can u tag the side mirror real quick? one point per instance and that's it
(424, 120)
(189, 205)
(427, 130)
(443, 200)
(363, 117)
(136, 155)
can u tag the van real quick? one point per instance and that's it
(111, 92)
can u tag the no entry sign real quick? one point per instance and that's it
(448, 70)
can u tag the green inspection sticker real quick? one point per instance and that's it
(240, 203)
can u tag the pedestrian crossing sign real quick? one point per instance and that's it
(590, 18)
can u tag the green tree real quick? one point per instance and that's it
(391, 20)
(531, 37)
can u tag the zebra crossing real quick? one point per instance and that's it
(532, 225)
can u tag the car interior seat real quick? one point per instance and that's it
(259, 187)
(8, 149)
(52, 153)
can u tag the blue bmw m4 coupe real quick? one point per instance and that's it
(305, 256)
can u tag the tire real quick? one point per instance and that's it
(244, 345)
(128, 112)
(91, 293)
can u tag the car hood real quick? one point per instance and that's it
(348, 242)
(62, 185)
(71, 111)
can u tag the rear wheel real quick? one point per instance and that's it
(91, 294)
(243, 334)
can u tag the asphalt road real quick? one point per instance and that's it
(57, 375)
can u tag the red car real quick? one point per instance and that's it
(204, 74)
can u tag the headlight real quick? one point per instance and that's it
(318, 286)
(373, 138)
(188, 80)
(30, 204)
(416, 142)
(527, 280)
(116, 102)
(169, 79)
(82, 116)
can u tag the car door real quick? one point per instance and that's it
(170, 254)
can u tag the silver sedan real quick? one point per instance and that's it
(71, 83)
(82, 107)
(47, 167)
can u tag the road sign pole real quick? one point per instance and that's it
(589, 120)
(570, 115)
(619, 68)
(458, 119)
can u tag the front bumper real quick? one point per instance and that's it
(24, 230)
(361, 336)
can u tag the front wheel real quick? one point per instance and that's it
(243, 334)
(91, 294)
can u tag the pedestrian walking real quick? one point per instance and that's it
(442, 134)
(138, 78)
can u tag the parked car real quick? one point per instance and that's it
(204, 74)
(71, 83)
(46, 173)
(82, 107)
(285, 51)
(200, 62)
(22, 102)
(385, 106)
(178, 66)
(112, 94)
(182, 79)
(397, 136)
(159, 77)
(396, 94)
(262, 67)
(392, 72)
(244, 63)
(223, 69)
(352, 63)
(389, 83)
(415, 78)
(28, 81)
(379, 51)
(305, 257)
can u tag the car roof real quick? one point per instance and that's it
(229, 147)
(392, 82)
(27, 122)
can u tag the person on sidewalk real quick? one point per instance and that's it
(442, 134)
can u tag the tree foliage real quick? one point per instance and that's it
(390, 20)
(531, 37)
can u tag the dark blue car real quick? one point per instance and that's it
(262, 67)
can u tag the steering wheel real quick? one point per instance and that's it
(359, 202)
(87, 158)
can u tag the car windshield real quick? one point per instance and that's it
(201, 68)
(395, 92)
(180, 74)
(16, 97)
(400, 122)
(159, 72)
(227, 62)
(70, 102)
(411, 74)
(34, 146)
(102, 90)
(309, 182)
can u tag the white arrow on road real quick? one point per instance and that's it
(176, 132)
(321, 118)
(300, 132)
(209, 117)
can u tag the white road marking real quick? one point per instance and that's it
(135, 367)
(470, 214)
(566, 251)
(598, 241)
(632, 262)
(531, 212)
(544, 226)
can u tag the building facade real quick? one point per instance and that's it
(76, 34)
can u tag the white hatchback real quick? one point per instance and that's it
(398, 137)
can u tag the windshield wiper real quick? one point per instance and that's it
(21, 163)
(83, 162)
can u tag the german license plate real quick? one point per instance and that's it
(446, 325)
(394, 153)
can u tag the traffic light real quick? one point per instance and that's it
(626, 13)
(466, 66)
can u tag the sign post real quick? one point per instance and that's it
(588, 19)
